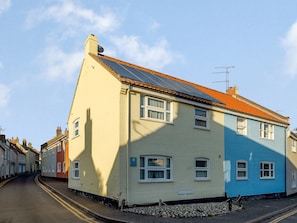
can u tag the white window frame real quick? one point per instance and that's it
(240, 169)
(202, 117)
(163, 164)
(241, 126)
(161, 113)
(266, 131)
(59, 167)
(76, 126)
(293, 146)
(203, 169)
(75, 170)
(267, 170)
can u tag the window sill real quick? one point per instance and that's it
(202, 180)
(156, 120)
(153, 181)
(201, 128)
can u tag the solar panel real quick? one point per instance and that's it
(155, 80)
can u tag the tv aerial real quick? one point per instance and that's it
(226, 72)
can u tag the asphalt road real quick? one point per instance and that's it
(22, 200)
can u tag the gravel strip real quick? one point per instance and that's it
(185, 210)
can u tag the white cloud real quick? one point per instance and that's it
(154, 57)
(289, 43)
(58, 65)
(4, 95)
(74, 17)
(4, 5)
(154, 26)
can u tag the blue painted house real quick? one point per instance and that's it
(255, 146)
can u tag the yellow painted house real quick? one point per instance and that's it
(139, 136)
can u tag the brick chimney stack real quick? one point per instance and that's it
(25, 142)
(91, 45)
(58, 131)
(2, 138)
(233, 91)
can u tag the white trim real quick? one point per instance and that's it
(241, 169)
(75, 170)
(205, 169)
(267, 173)
(163, 164)
(201, 118)
(76, 128)
(163, 112)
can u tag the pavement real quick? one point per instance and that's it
(254, 211)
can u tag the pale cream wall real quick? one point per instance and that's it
(291, 164)
(183, 143)
(97, 94)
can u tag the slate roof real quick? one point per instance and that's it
(146, 78)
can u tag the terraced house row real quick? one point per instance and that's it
(139, 136)
(17, 158)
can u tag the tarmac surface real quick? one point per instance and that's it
(253, 210)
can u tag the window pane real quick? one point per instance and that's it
(156, 114)
(168, 106)
(201, 163)
(155, 174)
(168, 164)
(156, 162)
(241, 174)
(200, 123)
(241, 165)
(155, 103)
(142, 175)
(168, 175)
(266, 166)
(200, 173)
(168, 117)
(201, 113)
(141, 161)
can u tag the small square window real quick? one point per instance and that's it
(76, 128)
(266, 170)
(202, 169)
(241, 170)
(201, 118)
(75, 170)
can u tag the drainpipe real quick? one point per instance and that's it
(128, 138)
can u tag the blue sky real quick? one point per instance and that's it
(41, 51)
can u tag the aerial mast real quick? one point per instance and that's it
(226, 72)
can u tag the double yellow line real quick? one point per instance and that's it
(65, 204)
(284, 216)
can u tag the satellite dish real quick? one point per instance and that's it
(100, 49)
